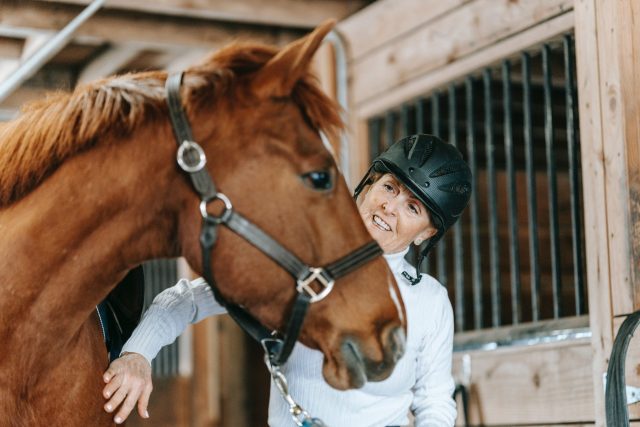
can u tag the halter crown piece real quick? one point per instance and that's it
(192, 160)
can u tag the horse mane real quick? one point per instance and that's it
(49, 131)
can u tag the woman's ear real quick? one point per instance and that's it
(426, 234)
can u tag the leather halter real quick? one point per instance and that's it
(192, 160)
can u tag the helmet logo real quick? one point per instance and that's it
(456, 188)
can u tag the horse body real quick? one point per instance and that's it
(70, 231)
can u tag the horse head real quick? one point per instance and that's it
(258, 113)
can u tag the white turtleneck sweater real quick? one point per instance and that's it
(421, 382)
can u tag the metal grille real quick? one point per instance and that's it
(158, 275)
(517, 254)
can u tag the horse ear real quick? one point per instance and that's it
(281, 73)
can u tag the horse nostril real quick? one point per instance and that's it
(396, 342)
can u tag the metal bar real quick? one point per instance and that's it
(374, 138)
(420, 115)
(556, 280)
(514, 244)
(574, 176)
(534, 267)
(419, 119)
(475, 240)
(390, 128)
(458, 248)
(342, 83)
(492, 204)
(33, 63)
(405, 120)
(441, 247)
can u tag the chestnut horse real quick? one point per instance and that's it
(89, 189)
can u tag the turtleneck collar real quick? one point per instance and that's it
(395, 260)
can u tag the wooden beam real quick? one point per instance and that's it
(467, 29)
(436, 78)
(546, 384)
(144, 29)
(607, 34)
(10, 47)
(385, 20)
(107, 63)
(287, 13)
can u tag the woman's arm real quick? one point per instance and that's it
(128, 378)
(433, 404)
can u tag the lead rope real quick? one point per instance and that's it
(299, 415)
(615, 392)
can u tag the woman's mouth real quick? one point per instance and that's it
(380, 223)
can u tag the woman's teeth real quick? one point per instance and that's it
(381, 223)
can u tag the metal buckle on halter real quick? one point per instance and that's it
(226, 213)
(318, 274)
(187, 147)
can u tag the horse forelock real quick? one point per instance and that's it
(51, 130)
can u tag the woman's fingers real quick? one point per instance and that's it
(117, 399)
(127, 406)
(143, 402)
(114, 384)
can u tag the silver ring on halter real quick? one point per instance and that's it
(188, 146)
(226, 213)
(315, 274)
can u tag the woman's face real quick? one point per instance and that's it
(394, 216)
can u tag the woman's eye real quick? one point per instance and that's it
(387, 187)
(318, 180)
(414, 209)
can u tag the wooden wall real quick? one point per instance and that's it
(402, 49)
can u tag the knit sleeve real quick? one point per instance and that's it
(171, 311)
(433, 404)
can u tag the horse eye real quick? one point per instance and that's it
(318, 180)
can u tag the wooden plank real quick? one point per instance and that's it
(168, 405)
(594, 195)
(290, 13)
(621, 40)
(145, 29)
(539, 384)
(10, 47)
(233, 373)
(385, 20)
(465, 30)
(421, 85)
(206, 394)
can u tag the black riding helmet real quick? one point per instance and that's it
(434, 172)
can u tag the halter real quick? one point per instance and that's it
(192, 159)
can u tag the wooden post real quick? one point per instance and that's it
(608, 51)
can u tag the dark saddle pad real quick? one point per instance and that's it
(120, 312)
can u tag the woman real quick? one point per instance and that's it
(412, 193)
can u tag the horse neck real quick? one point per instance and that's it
(69, 241)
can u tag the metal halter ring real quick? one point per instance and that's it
(226, 213)
(315, 274)
(186, 147)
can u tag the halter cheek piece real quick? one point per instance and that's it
(192, 160)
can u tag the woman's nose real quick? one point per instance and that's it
(389, 206)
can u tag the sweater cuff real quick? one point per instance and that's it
(154, 332)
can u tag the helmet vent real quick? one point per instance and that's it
(419, 153)
(448, 168)
(461, 188)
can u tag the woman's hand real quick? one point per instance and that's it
(128, 380)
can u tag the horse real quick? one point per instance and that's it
(90, 189)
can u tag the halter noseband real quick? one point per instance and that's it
(191, 159)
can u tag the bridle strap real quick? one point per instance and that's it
(192, 159)
(200, 179)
